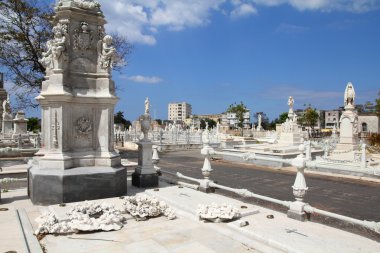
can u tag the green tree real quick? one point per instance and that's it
(119, 119)
(281, 119)
(33, 124)
(211, 123)
(25, 27)
(310, 118)
(239, 110)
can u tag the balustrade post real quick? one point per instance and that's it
(308, 150)
(19, 141)
(326, 147)
(363, 158)
(296, 208)
(206, 169)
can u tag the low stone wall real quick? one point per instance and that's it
(173, 147)
(272, 164)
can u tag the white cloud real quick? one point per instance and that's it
(177, 15)
(142, 20)
(145, 79)
(243, 10)
(325, 5)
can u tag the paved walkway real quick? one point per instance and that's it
(186, 233)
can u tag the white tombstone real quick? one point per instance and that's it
(348, 138)
(290, 133)
(20, 123)
(77, 160)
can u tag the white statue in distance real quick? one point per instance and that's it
(147, 105)
(349, 95)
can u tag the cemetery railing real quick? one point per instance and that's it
(297, 209)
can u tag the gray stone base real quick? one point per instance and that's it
(297, 216)
(207, 190)
(47, 187)
(144, 180)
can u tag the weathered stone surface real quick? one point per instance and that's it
(55, 186)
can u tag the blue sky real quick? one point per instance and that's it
(212, 53)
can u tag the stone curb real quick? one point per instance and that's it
(31, 243)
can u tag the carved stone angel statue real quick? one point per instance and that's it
(7, 109)
(55, 55)
(349, 95)
(107, 52)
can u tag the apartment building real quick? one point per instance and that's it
(179, 111)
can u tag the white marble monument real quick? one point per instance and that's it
(290, 132)
(7, 123)
(77, 160)
(145, 174)
(348, 139)
(20, 124)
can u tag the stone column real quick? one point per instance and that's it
(145, 174)
(7, 124)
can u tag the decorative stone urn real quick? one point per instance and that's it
(145, 121)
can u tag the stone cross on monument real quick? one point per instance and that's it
(77, 160)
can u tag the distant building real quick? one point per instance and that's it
(368, 123)
(229, 119)
(331, 118)
(179, 111)
(195, 119)
(320, 121)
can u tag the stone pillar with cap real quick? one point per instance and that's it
(145, 174)
(20, 124)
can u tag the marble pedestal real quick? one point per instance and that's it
(7, 126)
(56, 186)
(348, 138)
(145, 174)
